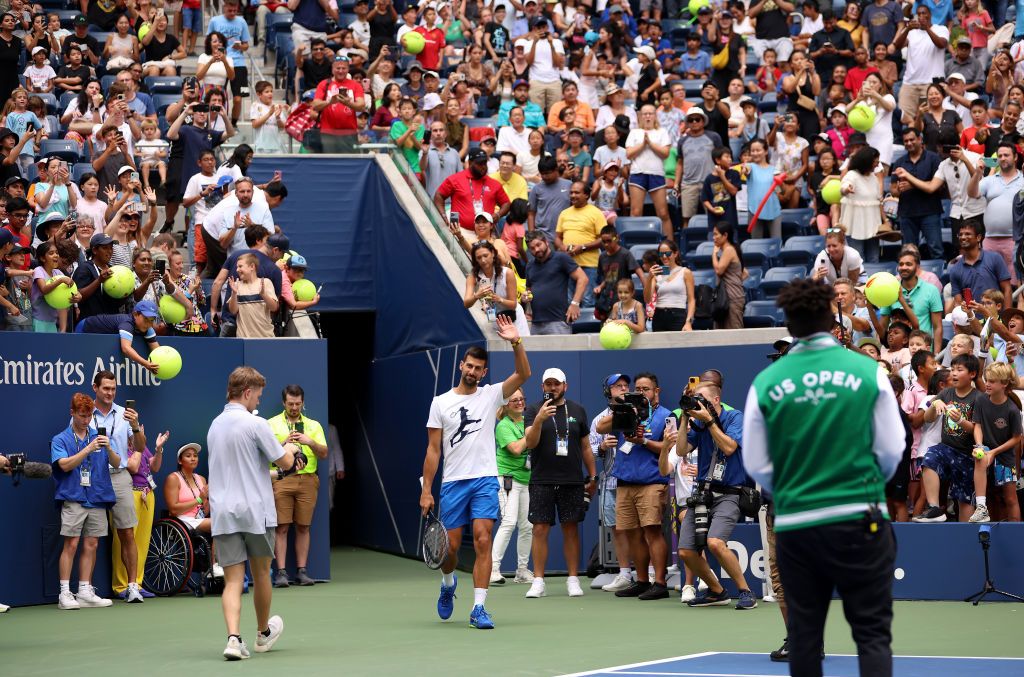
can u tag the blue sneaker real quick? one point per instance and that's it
(446, 600)
(146, 594)
(708, 598)
(480, 619)
(746, 600)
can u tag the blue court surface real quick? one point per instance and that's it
(729, 664)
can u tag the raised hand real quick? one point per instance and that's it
(506, 328)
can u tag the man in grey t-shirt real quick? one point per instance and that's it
(439, 160)
(244, 517)
(693, 161)
(549, 198)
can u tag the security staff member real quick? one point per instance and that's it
(295, 495)
(818, 434)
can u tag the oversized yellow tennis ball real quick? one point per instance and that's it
(882, 289)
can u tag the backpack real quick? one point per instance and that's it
(712, 303)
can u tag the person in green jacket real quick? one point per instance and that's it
(820, 436)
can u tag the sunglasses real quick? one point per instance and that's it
(833, 230)
(664, 254)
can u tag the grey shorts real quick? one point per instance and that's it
(239, 547)
(123, 512)
(77, 520)
(725, 512)
(689, 199)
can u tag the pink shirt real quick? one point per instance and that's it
(911, 401)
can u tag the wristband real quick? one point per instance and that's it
(517, 342)
(574, 303)
(200, 499)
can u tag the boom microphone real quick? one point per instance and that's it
(18, 467)
(37, 471)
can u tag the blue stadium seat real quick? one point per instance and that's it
(777, 278)
(162, 101)
(752, 285)
(869, 269)
(769, 103)
(481, 122)
(80, 168)
(701, 258)
(802, 250)
(65, 100)
(278, 24)
(106, 81)
(639, 230)
(801, 215)
(50, 100)
(65, 150)
(587, 323)
(692, 87)
(161, 84)
(707, 277)
(762, 314)
(769, 117)
(935, 266)
(638, 251)
(693, 235)
(763, 252)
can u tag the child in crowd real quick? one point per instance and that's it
(950, 459)
(896, 488)
(768, 74)
(19, 119)
(627, 310)
(915, 394)
(1002, 332)
(840, 132)
(608, 194)
(154, 152)
(268, 120)
(45, 278)
(870, 347)
(896, 351)
(650, 259)
(578, 154)
(611, 150)
(997, 434)
(38, 108)
(39, 75)
(753, 126)
(513, 233)
(720, 187)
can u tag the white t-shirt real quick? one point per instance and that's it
(543, 67)
(812, 26)
(220, 219)
(195, 186)
(963, 111)
(39, 77)
(269, 138)
(124, 128)
(361, 31)
(684, 483)
(931, 433)
(467, 426)
(647, 162)
(149, 150)
(851, 260)
(510, 139)
(924, 60)
(216, 74)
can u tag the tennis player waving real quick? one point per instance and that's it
(461, 422)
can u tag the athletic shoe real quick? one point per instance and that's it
(67, 601)
(656, 591)
(480, 619)
(265, 643)
(572, 585)
(536, 589)
(781, 655)
(980, 515)
(932, 513)
(133, 596)
(446, 600)
(89, 599)
(302, 578)
(497, 578)
(701, 585)
(688, 594)
(634, 590)
(218, 571)
(146, 594)
(746, 600)
(721, 598)
(4, 608)
(620, 582)
(236, 650)
(123, 595)
(523, 576)
(167, 227)
(281, 579)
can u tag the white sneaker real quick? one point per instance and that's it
(264, 643)
(67, 601)
(536, 589)
(89, 599)
(497, 578)
(134, 596)
(218, 571)
(620, 582)
(572, 585)
(236, 650)
(980, 515)
(4, 608)
(688, 595)
(523, 576)
(701, 585)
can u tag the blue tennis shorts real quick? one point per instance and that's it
(649, 182)
(955, 466)
(463, 501)
(192, 19)
(1003, 474)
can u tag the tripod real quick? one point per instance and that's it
(990, 586)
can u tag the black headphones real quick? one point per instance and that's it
(606, 388)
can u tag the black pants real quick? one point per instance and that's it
(668, 319)
(816, 561)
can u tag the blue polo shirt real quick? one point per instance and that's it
(915, 202)
(700, 437)
(924, 298)
(984, 274)
(100, 493)
(640, 465)
(121, 324)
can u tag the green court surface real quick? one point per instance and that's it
(378, 617)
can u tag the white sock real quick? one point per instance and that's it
(573, 579)
(538, 578)
(479, 596)
(982, 501)
(133, 586)
(624, 571)
(65, 586)
(83, 586)
(448, 579)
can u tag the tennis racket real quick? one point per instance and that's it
(435, 542)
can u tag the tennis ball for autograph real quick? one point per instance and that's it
(121, 282)
(861, 118)
(303, 290)
(168, 362)
(615, 336)
(696, 5)
(414, 42)
(60, 296)
(882, 289)
(832, 191)
(979, 452)
(171, 309)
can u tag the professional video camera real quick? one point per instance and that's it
(629, 410)
(18, 467)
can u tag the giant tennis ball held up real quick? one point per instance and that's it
(832, 191)
(60, 296)
(168, 362)
(121, 282)
(171, 309)
(303, 290)
(615, 336)
(882, 289)
(861, 118)
(413, 42)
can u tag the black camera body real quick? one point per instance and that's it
(16, 463)
(629, 411)
(700, 503)
(689, 403)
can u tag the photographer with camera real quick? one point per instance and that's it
(558, 440)
(716, 433)
(639, 423)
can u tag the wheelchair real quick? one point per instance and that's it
(179, 557)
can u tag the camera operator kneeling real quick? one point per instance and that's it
(715, 503)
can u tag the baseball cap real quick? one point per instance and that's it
(430, 101)
(16, 179)
(956, 76)
(521, 43)
(224, 180)
(186, 447)
(615, 378)
(279, 241)
(696, 112)
(839, 108)
(615, 9)
(747, 101)
(37, 49)
(146, 308)
(476, 155)
(297, 261)
(100, 240)
(555, 373)
(431, 74)
(538, 21)
(577, 130)
(709, 83)
(484, 215)
(80, 20)
(964, 40)
(6, 237)
(124, 168)
(520, 83)
(647, 51)
(782, 343)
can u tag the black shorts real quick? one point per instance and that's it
(240, 84)
(173, 183)
(568, 498)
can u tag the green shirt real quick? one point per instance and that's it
(505, 433)
(925, 299)
(281, 428)
(412, 155)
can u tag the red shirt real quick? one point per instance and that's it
(967, 141)
(470, 195)
(855, 78)
(338, 116)
(430, 57)
(23, 262)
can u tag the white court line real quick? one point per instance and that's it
(641, 665)
(701, 674)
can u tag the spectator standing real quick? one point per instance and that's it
(926, 46)
(79, 456)
(471, 192)
(694, 162)
(760, 183)
(214, 67)
(337, 101)
(224, 227)
(728, 264)
(955, 172)
(803, 85)
(433, 40)
(920, 212)
(999, 190)
(268, 120)
(922, 296)
(615, 263)
(548, 276)
(861, 207)
(549, 198)
(546, 56)
(559, 443)
(236, 31)
(252, 301)
(646, 148)
(977, 269)
(256, 238)
(188, 143)
(90, 276)
(11, 49)
(439, 160)
(512, 182)
(718, 193)
(772, 29)
(997, 431)
(295, 495)
(514, 492)
(673, 284)
(965, 65)
(831, 46)
(578, 233)
(141, 466)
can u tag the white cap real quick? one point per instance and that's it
(191, 445)
(647, 51)
(958, 318)
(37, 49)
(956, 76)
(839, 108)
(484, 215)
(522, 43)
(431, 101)
(555, 373)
